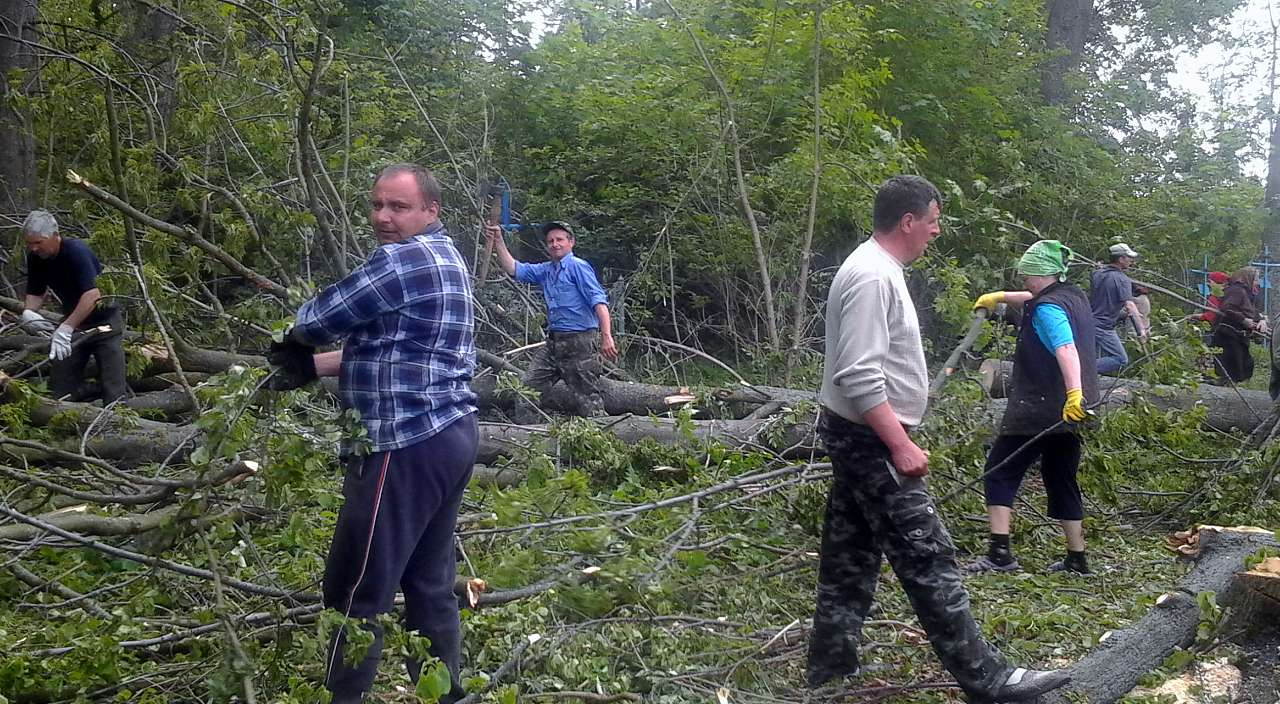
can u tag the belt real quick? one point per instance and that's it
(553, 334)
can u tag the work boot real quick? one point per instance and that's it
(347, 698)
(1023, 684)
(817, 679)
(1074, 562)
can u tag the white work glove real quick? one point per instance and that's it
(61, 346)
(35, 323)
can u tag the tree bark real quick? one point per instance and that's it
(1226, 408)
(1112, 669)
(18, 146)
(1068, 30)
(1271, 200)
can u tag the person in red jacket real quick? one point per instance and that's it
(1217, 280)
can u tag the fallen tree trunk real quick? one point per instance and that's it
(131, 441)
(622, 397)
(791, 440)
(1112, 669)
(1226, 407)
(79, 520)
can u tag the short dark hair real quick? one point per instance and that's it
(901, 195)
(428, 186)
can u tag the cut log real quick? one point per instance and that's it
(1112, 669)
(1257, 602)
(1226, 407)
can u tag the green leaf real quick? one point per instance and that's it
(434, 683)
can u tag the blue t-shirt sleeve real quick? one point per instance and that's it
(589, 286)
(1052, 326)
(532, 273)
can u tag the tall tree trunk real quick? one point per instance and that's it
(151, 40)
(17, 134)
(1068, 30)
(1271, 197)
(802, 285)
(735, 144)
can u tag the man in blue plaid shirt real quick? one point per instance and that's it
(406, 322)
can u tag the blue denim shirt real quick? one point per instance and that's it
(407, 319)
(571, 290)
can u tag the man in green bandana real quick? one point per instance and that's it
(1054, 377)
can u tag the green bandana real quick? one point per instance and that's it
(1045, 258)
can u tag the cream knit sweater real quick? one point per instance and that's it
(873, 351)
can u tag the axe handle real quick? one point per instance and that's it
(495, 218)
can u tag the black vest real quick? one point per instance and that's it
(1037, 394)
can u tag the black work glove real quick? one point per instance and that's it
(293, 362)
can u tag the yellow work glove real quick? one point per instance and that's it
(989, 300)
(1073, 409)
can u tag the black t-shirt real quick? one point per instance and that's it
(70, 272)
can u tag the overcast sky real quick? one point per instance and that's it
(1244, 74)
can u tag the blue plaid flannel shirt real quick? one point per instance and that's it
(409, 327)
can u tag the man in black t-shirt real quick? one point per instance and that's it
(69, 268)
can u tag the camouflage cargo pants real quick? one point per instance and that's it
(575, 358)
(871, 513)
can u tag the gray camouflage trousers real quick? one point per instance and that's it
(872, 511)
(574, 357)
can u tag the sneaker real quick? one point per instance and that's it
(1024, 684)
(1065, 566)
(986, 564)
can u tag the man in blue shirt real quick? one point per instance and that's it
(69, 268)
(406, 320)
(1111, 298)
(577, 317)
(1054, 377)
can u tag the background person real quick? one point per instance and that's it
(1054, 377)
(69, 268)
(1111, 296)
(579, 327)
(1237, 322)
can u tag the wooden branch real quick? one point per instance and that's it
(150, 561)
(806, 249)
(591, 697)
(79, 520)
(310, 185)
(1225, 407)
(182, 233)
(53, 586)
(949, 366)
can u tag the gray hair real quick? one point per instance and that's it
(40, 223)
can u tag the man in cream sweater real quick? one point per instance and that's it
(874, 391)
